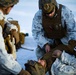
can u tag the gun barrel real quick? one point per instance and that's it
(27, 49)
(26, 34)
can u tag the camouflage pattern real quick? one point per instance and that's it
(7, 3)
(66, 65)
(7, 63)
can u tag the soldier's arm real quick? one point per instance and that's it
(69, 23)
(67, 48)
(49, 60)
(7, 60)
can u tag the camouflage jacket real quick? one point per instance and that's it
(38, 31)
(66, 65)
(7, 62)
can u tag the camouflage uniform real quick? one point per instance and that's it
(8, 64)
(38, 30)
(66, 65)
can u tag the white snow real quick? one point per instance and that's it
(23, 55)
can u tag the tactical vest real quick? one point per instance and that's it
(52, 26)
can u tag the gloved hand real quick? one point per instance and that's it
(12, 46)
(56, 53)
(15, 35)
(24, 72)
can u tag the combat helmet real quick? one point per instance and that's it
(34, 68)
(7, 3)
(47, 5)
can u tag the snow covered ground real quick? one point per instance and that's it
(23, 54)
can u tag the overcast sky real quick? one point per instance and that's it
(25, 10)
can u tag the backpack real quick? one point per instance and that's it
(21, 34)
